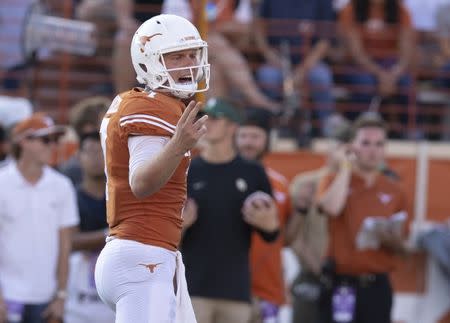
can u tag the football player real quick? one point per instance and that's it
(147, 135)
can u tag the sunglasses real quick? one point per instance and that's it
(45, 139)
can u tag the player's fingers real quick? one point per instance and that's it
(201, 131)
(200, 122)
(193, 113)
(187, 111)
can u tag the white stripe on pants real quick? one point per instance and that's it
(135, 293)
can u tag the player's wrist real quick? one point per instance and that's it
(176, 148)
(61, 294)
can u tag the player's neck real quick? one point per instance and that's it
(369, 176)
(218, 153)
(30, 170)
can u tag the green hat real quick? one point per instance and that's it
(220, 108)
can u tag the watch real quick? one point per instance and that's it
(61, 294)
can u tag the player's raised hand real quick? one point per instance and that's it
(189, 130)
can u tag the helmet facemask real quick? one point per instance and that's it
(159, 78)
(191, 76)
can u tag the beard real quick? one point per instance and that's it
(251, 153)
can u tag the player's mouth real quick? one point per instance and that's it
(185, 80)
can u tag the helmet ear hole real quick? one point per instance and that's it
(143, 67)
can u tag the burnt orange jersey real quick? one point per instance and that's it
(156, 219)
(265, 257)
(384, 198)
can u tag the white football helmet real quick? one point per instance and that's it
(164, 34)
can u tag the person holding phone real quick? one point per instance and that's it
(361, 290)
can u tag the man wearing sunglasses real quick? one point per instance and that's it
(38, 211)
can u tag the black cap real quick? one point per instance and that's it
(259, 118)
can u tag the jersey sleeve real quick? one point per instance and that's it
(144, 117)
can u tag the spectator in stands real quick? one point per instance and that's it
(228, 23)
(443, 61)
(13, 65)
(228, 199)
(37, 214)
(361, 289)
(443, 30)
(380, 40)
(85, 117)
(130, 15)
(268, 290)
(308, 45)
(83, 304)
(311, 235)
(97, 69)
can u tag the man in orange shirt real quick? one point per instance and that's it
(357, 199)
(146, 138)
(265, 258)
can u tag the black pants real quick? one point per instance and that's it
(373, 299)
(305, 298)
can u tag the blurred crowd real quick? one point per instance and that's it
(355, 71)
(306, 62)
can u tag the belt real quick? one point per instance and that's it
(362, 280)
(91, 298)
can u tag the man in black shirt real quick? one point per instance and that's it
(219, 216)
(83, 304)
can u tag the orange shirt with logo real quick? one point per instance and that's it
(379, 39)
(384, 198)
(156, 219)
(265, 258)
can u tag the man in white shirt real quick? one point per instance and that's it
(38, 211)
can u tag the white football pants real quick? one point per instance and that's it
(137, 281)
